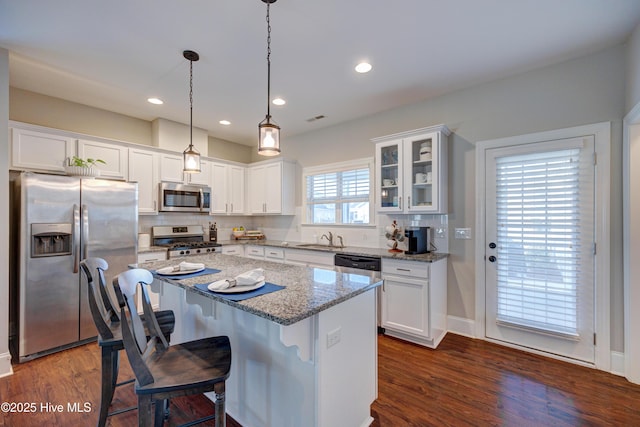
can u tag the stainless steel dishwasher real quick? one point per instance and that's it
(363, 262)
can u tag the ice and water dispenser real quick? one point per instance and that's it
(50, 240)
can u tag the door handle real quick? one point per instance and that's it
(76, 238)
(492, 258)
(492, 245)
(85, 231)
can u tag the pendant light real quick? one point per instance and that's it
(191, 155)
(268, 132)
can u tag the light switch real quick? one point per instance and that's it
(463, 233)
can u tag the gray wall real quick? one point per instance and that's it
(633, 70)
(581, 91)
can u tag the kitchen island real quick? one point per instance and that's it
(305, 355)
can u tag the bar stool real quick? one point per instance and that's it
(107, 322)
(164, 371)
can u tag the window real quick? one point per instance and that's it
(339, 193)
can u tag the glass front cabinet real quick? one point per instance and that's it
(411, 171)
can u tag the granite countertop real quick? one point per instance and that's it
(353, 250)
(308, 291)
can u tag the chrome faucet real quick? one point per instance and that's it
(341, 242)
(329, 238)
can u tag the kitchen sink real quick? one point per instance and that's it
(317, 246)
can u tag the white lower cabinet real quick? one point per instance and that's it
(274, 254)
(414, 300)
(154, 288)
(233, 250)
(253, 251)
(308, 258)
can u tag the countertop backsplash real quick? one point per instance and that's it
(289, 228)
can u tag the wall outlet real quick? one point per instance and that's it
(441, 232)
(333, 337)
(463, 233)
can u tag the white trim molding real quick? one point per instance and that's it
(5, 365)
(602, 309)
(631, 242)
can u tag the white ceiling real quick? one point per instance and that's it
(115, 54)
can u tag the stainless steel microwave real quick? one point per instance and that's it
(184, 198)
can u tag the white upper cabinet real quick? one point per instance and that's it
(227, 189)
(171, 170)
(40, 151)
(411, 171)
(143, 169)
(271, 188)
(116, 158)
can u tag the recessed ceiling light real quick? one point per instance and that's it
(363, 67)
(225, 122)
(156, 101)
(279, 101)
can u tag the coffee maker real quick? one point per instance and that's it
(418, 240)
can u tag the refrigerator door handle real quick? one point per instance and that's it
(76, 238)
(85, 231)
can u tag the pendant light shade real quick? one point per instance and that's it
(191, 156)
(268, 132)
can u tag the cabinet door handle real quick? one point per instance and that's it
(408, 202)
(226, 207)
(400, 202)
(404, 269)
(232, 207)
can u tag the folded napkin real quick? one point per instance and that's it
(248, 278)
(183, 266)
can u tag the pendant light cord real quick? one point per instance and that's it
(190, 104)
(268, 64)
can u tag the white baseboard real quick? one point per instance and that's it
(5, 365)
(461, 326)
(617, 363)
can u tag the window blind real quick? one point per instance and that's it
(339, 197)
(545, 239)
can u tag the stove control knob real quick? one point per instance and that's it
(187, 252)
(197, 251)
(181, 252)
(208, 250)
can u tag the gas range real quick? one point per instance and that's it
(183, 240)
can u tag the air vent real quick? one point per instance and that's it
(313, 119)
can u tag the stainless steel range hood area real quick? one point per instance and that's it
(174, 136)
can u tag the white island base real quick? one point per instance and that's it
(320, 371)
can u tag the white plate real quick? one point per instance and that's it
(240, 289)
(178, 273)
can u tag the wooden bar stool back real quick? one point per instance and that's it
(107, 322)
(162, 371)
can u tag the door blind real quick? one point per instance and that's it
(545, 239)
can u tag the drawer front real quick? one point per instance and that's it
(151, 256)
(233, 250)
(255, 251)
(415, 269)
(274, 253)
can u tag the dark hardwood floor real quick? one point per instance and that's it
(464, 382)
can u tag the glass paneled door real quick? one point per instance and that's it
(540, 255)
(421, 172)
(389, 185)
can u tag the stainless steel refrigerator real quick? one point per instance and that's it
(63, 220)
